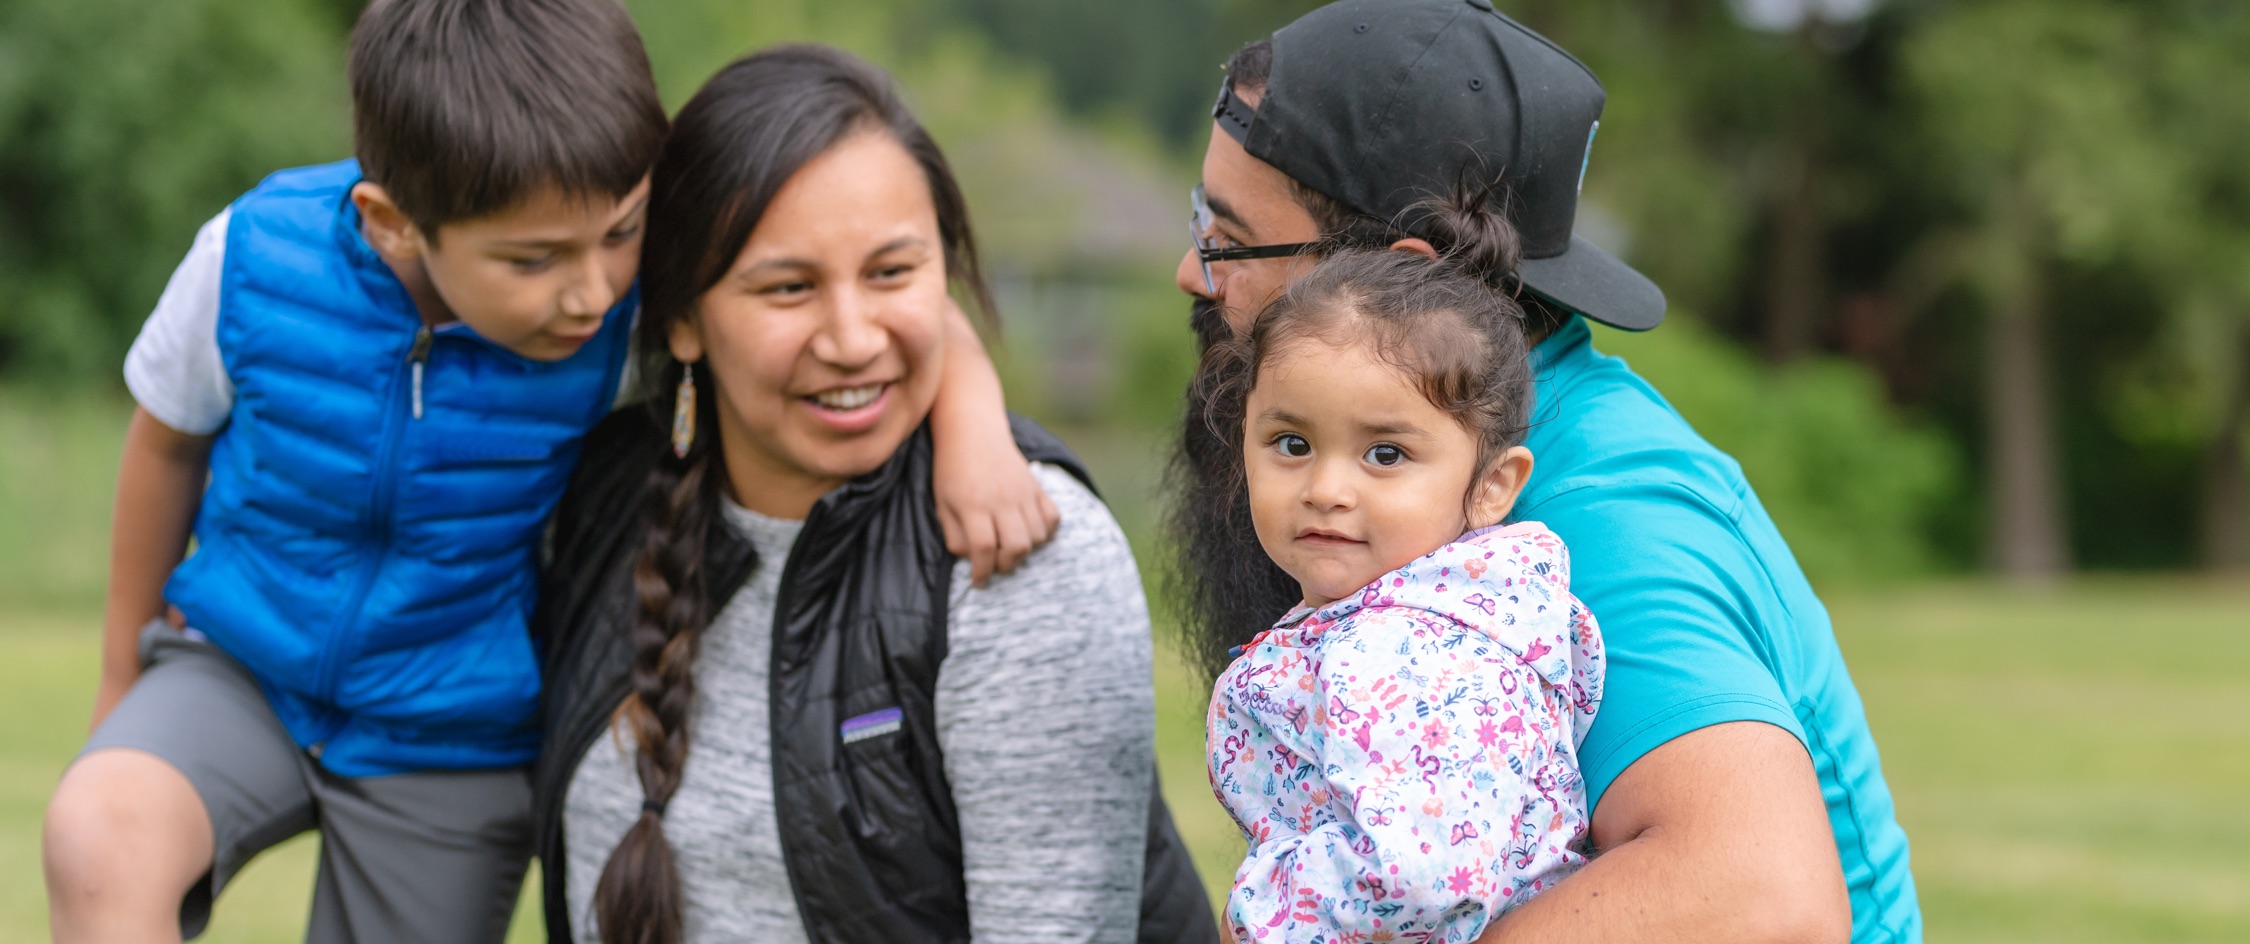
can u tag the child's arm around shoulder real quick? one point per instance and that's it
(992, 510)
(159, 487)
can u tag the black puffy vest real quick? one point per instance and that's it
(869, 833)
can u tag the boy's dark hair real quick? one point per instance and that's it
(461, 108)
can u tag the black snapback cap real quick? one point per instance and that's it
(1382, 103)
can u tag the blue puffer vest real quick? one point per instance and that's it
(367, 545)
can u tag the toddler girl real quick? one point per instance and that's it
(1399, 750)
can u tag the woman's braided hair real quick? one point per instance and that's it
(732, 148)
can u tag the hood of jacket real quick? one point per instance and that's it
(1509, 582)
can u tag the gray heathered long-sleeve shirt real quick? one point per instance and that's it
(1044, 710)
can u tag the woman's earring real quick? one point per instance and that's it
(683, 412)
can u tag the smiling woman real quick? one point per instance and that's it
(825, 333)
(881, 751)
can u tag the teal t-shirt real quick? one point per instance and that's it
(1703, 610)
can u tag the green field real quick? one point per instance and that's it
(2070, 766)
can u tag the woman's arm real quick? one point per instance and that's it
(991, 509)
(1452, 760)
(159, 487)
(1046, 715)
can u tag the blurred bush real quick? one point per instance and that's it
(1854, 485)
(123, 126)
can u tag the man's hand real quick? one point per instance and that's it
(1719, 835)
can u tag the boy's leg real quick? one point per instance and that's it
(125, 837)
(187, 779)
(430, 857)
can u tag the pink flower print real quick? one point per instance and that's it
(1435, 736)
(1487, 734)
(1461, 880)
(1475, 566)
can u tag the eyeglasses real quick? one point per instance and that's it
(1208, 250)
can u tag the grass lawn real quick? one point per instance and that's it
(2072, 766)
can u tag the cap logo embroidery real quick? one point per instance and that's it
(1588, 159)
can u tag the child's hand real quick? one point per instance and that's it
(992, 509)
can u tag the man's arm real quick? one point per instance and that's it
(1719, 835)
(159, 486)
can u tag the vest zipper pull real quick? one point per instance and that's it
(419, 356)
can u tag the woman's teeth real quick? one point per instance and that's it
(849, 398)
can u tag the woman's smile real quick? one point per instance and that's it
(851, 409)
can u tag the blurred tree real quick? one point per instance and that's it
(2202, 261)
(123, 126)
(2056, 156)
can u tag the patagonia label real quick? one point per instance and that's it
(871, 724)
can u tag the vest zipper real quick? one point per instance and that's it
(338, 648)
(418, 357)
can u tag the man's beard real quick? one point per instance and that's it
(1223, 585)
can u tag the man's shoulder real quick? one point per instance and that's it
(1615, 442)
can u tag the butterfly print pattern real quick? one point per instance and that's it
(1404, 761)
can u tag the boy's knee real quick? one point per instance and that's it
(123, 819)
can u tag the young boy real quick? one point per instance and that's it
(365, 389)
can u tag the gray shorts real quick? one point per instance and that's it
(432, 856)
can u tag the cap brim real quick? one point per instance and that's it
(1596, 284)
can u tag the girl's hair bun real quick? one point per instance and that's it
(1469, 228)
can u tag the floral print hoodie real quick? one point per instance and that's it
(1404, 761)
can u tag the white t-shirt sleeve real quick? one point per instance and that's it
(174, 369)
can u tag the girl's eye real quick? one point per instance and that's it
(533, 266)
(786, 289)
(1385, 454)
(618, 237)
(1293, 445)
(892, 273)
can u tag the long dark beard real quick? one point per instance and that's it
(1221, 582)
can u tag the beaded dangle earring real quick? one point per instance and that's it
(683, 412)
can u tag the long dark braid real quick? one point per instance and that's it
(638, 899)
(732, 147)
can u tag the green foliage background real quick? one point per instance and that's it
(2087, 147)
(2062, 780)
